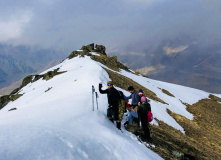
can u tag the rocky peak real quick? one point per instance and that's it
(98, 48)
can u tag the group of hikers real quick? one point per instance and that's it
(119, 104)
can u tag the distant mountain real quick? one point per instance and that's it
(51, 115)
(19, 61)
(181, 62)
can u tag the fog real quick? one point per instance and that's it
(120, 25)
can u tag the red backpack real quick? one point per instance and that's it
(149, 116)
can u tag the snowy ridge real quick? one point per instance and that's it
(182, 93)
(60, 124)
(54, 118)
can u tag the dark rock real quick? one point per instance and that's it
(100, 49)
(88, 48)
(12, 109)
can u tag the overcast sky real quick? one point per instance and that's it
(117, 24)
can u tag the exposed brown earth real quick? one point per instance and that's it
(202, 137)
(124, 82)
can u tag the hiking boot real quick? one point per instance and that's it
(111, 119)
(149, 139)
(119, 125)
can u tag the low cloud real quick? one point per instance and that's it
(132, 54)
(13, 27)
(127, 25)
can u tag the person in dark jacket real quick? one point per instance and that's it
(135, 97)
(142, 114)
(113, 97)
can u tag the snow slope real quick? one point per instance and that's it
(58, 123)
(182, 95)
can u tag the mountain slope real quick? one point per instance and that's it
(19, 61)
(53, 118)
(60, 124)
(181, 61)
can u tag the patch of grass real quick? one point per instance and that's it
(215, 98)
(49, 88)
(110, 62)
(138, 73)
(124, 82)
(167, 92)
(202, 138)
(4, 100)
(204, 132)
(12, 109)
(79, 53)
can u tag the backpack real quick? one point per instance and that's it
(149, 116)
(121, 94)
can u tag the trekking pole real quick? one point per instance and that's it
(96, 99)
(93, 90)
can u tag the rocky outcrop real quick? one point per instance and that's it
(5, 99)
(98, 48)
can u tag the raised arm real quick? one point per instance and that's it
(102, 91)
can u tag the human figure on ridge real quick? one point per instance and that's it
(135, 97)
(114, 100)
(142, 114)
(132, 115)
(132, 120)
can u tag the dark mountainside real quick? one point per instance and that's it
(179, 62)
(17, 62)
(203, 134)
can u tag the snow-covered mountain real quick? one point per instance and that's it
(53, 119)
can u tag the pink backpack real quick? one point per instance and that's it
(149, 116)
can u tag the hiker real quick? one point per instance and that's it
(113, 97)
(132, 119)
(140, 93)
(132, 115)
(134, 96)
(142, 114)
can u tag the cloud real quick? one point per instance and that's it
(129, 25)
(13, 27)
(132, 53)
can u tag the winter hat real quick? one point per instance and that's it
(110, 82)
(143, 99)
(130, 88)
(140, 91)
(128, 105)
